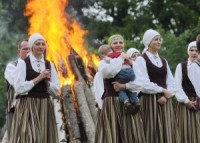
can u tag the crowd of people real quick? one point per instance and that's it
(134, 92)
(151, 116)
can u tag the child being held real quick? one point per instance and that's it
(126, 74)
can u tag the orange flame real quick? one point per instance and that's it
(61, 32)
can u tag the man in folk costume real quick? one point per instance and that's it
(9, 75)
(159, 86)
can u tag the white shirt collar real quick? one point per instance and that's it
(33, 59)
(150, 55)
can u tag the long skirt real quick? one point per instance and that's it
(160, 125)
(34, 121)
(114, 126)
(188, 124)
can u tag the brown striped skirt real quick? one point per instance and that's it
(160, 125)
(114, 126)
(188, 123)
(34, 121)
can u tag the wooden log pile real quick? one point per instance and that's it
(78, 105)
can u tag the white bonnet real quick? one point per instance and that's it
(191, 44)
(131, 51)
(34, 37)
(148, 37)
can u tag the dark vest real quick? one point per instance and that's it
(108, 88)
(156, 74)
(40, 89)
(186, 83)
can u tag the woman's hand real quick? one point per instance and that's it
(162, 100)
(118, 86)
(43, 75)
(191, 105)
(124, 56)
(167, 93)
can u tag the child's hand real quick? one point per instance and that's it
(124, 55)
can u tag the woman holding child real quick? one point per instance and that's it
(113, 124)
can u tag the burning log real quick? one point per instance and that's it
(70, 115)
(85, 98)
(91, 101)
(85, 111)
(75, 65)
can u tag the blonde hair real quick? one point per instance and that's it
(104, 49)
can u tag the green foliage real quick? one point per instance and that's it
(3, 96)
(13, 26)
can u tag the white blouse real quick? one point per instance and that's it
(194, 76)
(109, 70)
(180, 94)
(9, 73)
(150, 87)
(22, 86)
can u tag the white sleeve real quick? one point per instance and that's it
(194, 76)
(21, 85)
(180, 94)
(171, 86)
(137, 84)
(148, 87)
(109, 70)
(9, 73)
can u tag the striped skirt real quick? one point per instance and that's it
(160, 125)
(34, 121)
(114, 126)
(188, 124)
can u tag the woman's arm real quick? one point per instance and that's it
(20, 84)
(109, 70)
(171, 85)
(194, 76)
(180, 94)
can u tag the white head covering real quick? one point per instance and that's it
(34, 37)
(191, 44)
(131, 51)
(148, 37)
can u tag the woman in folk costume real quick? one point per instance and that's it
(159, 86)
(34, 119)
(113, 125)
(186, 112)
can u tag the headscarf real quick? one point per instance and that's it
(148, 37)
(34, 37)
(191, 44)
(131, 51)
(115, 37)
